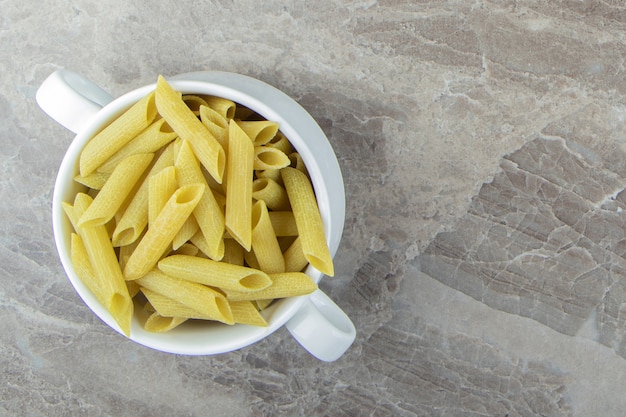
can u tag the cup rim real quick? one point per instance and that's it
(307, 138)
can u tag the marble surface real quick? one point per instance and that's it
(483, 262)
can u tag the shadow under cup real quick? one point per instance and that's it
(197, 337)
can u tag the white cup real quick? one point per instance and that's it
(315, 321)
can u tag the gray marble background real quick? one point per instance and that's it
(483, 263)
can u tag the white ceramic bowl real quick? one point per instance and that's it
(315, 321)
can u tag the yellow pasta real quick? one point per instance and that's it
(161, 186)
(308, 219)
(295, 260)
(286, 284)
(266, 157)
(297, 162)
(224, 107)
(284, 223)
(271, 192)
(186, 232)
(84, 270)
(135, 217)
(206, 301)
(116, 190)
(272, 174)
(153, 138)
(188, 127)
(239, 186)
(107, 274)
(194, 103)
(208, 214)
(159, 324)
(217, 125)
(216, 274)
(233, 252)
(245, 312)
(117, 134)
(168, 307)
(95, 180)
(160, 234)
(260, 132)
(281, 142)
(264, 242)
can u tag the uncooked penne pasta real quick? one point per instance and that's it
(295, 261)
(117, 134)
(208, 214)
(271, 192)
(297, 162)
(188, 127)
(161, 186)
(168, 307)
(245, 312)
(239, 186)
(284, 223)
(216, 274)
(233, 252)
(159, 324)
(160, 234)
(259, 131)
(116, 190)
(194, 103)
(106, 268)
(272, 174)
(153, 138)
(266, 157)
(280, 142)
(287, 284)
(135, 217)
(95, 180)
(308, 219)
(264, 242)
(226, 108)
(217, 125)
(84, 270)
(206, 301)
(186, 232)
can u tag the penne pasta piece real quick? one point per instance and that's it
(272, 174)
(135, 218)
(133, 288)
(271, 192)
(159, 324)
(250, 260)
(208, 214)
(208, 302)
(239, 186)
(308, 220)
(260, 132)
(280, 142)
(95, 180)
(168, 307)
(188, 127)
(295, 261)
(215, 274)
(106, 269)
(264, 242)
(117, 134)
(233, 252)
(217, 125)
(186, 249)
(186, 232)
(269, 158)
(160, 234)
(153, 138)
(194, 103)
(287, 284)
(284, 223)
(84, 270)
(297, 162)
(261, 304)
(161, 186)
(116, 190)
(224, 107)
(245, 312)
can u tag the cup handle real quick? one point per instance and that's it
(322, 328)
(70, 99)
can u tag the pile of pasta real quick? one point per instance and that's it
(195, 208)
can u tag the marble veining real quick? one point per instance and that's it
(483, 258)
